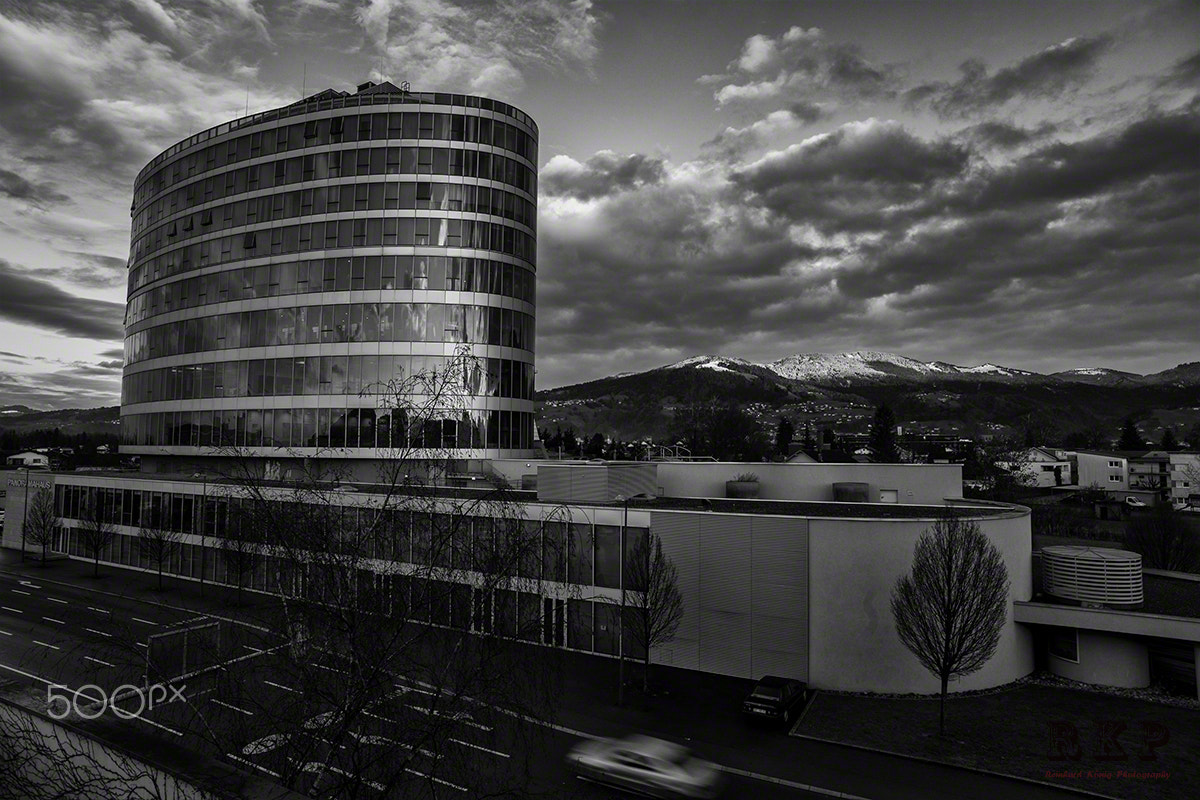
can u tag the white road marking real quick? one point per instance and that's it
(249, 763)
(98, 633)
(43, 644)
(436, 780)
(159, 726)
(30, 584)
(790, 784)
(252, 649)
(6, 633)
(481, 747)
(143, 621)
(379, 787)
(280, 686)
(233, 708)
(18, 591)
(402, 687)
(14, 610)
(98, 661)
(55, 621)
(330, 669)
(22, 673)
(56, 600)
(99, 610)
(142, 644)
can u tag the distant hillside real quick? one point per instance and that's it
(845, 388)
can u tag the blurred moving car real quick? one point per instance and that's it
(1133, 502)
(646, 765)
(775, 699)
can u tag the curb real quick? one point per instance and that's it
(94, 590)
(977, 770)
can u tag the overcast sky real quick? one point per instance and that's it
(1016, 183)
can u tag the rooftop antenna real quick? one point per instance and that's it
(247, 112)
(304, 82)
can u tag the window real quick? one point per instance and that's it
(1064, 643)
(1114, 464)
(1114, 478)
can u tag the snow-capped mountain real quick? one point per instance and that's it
(869, 365)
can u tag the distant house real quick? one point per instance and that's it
(1184, 476)
(29, 459)
(1040, 467)
(1142, 474)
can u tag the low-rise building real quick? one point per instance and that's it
(29, 459)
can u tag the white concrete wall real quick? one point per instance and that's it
(853, 644)
(1107, 660)
(1094, 469)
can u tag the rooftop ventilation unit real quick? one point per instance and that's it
(1092, 575)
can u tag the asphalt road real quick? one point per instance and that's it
(74, 635)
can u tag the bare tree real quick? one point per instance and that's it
(950, 609)
(96, 530)
(41, 521)
(404, 590)
(655, 607)
(1165, 539)
(158, 542)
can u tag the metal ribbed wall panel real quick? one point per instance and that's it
(553, 482)
(627, 480)
(680, 536)
(744, 582)
(725, 594)
(595, 483)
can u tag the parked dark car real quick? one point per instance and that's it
(775, 699)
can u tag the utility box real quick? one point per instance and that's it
(851, 492)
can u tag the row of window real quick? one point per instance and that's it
(345, 128)
(337, 234)
(345, 274)
(328, 427)
(315, 375)
(344, 322)
(373, 196)
(589, 625)
(577, 553)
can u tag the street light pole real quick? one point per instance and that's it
(25, 514)
(621, 621)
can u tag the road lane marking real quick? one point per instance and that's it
(481, 747)
(414, 689)
(280, 686)
(98, 661)
(790, 784)
(253, 649)
(14, 610)
(55, 621)
(143, 621)
(157, 725)
(234, 708)
(249, 763)
(30, 584)
(379, 787)
(98, 633)
(6, 633)
(56, 600)
(18, 591)
(99, 610)
(43, 644)
(436, 780)
(330, 669)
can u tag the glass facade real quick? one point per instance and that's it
(565, 562)
(416, 219)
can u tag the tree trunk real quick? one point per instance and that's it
(942, 709)
(160, 571)
(646, 674)
(96, 565)
(45, 551)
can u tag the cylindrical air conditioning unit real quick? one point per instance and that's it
(1092, 575)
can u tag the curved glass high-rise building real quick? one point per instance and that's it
(284, 267)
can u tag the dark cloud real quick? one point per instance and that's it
(1006, 136)
(115, 352)
(91, 270)
(111, 365)
(31, 301)
(603, 174)
(797, 68)
(66, 388)
(1185, 74)
(852, 176)
(37, 194)
(873, 237)
(1047, 74)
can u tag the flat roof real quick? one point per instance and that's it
(1176, 597)
(788, 508)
